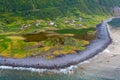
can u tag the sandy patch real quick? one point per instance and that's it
(107, 63)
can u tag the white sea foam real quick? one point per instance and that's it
(106, 51)
(65, 71)
(22, 68)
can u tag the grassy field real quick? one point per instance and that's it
(63, 35)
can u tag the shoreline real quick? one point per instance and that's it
(95, 47)
(107, 63)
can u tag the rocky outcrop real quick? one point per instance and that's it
(116, 11)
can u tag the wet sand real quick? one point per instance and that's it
(107, 63)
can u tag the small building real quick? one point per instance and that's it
(50, 23)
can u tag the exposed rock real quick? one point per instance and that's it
(116, 11)
(80, 19)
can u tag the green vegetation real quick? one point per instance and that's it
(74, 31)
(68, 25)
(54, 8)
(48, 43)
(12, 29)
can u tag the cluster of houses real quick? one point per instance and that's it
(73, 21)
(24, 26)
(51, 23)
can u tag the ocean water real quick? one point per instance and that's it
(28, 75)
(80, 72)
(115, 23)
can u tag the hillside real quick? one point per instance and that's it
(47, 27)
(56, 8)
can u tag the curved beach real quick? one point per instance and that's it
(106, 64)
(99, 44)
